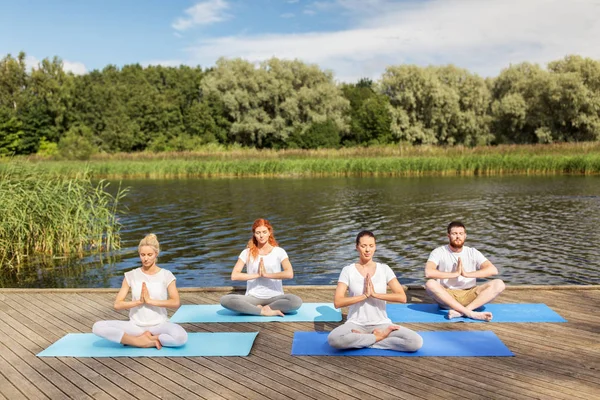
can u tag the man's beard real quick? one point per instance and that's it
(457, 246)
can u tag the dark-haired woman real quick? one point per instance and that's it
(367, 324)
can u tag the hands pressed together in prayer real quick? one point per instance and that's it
(460, 270)
(368, 289)
(145, 295)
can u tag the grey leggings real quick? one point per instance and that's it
(248, 304)
(402, 339)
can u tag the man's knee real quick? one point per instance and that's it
(432, 285)
(498, 285)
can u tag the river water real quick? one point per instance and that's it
(536, 230)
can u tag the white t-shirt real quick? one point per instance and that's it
(146, 315)
(371, 311)
(264, 288)
(445, 260)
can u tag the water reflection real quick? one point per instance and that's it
(537, 230)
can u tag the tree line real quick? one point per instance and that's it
(289, 104)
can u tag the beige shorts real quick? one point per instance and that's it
(463, 296)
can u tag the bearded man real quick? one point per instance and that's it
(452, 271)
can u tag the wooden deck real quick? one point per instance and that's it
(552, 360)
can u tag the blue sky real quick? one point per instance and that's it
(353, 38)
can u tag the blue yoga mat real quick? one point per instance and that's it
(501, 313)
(308, 312)
(435, 344)
(198, 344)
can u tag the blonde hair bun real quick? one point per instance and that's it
(150, 240)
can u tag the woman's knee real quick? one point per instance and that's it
(414, 343)
(98, 327)
(335, 341)
(180, 337)
(295, 302)
(226, 300)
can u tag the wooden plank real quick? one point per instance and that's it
(41, 367)
(111, 382)
(552, 360)
(7, 389)
(10, 369)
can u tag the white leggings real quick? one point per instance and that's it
(169, 334)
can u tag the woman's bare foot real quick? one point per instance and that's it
(146, 339)
(382, 334)
(454, 314)
(149, 340)
(267, 311)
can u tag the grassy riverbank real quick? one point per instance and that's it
(47, 214)
(575, 158)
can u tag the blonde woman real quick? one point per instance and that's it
(153, 290)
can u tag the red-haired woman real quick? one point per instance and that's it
(266, 265)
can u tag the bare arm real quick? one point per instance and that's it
(397, 295)
(287, 273)
(340, 300)
(487, 269)
(120, 303)
(238, 275)
(172, 302)
(431, 272)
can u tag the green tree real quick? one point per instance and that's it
(77, 144)
(437, 105)
(369, 112)
(533, 105)
(268, 103)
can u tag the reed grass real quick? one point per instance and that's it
(470, 164)
(44, 213)
(223, 153)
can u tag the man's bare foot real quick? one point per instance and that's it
(454, 314)
(267, 311)
(382, 334)
(481, 315)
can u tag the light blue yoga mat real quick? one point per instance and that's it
(513, 312)
(199, 344)
(435, 344)
(308, 312)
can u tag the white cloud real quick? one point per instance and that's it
(202, 13)
(75, 67)
(164, 63)
(287, 15)
(78, 68)
(31, 62)
(482, 36)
